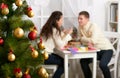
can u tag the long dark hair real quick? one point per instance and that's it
(47, 30)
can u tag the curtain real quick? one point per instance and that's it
(41, 3)
(72, 9)
(79, 5)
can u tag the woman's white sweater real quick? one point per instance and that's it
(56, 41)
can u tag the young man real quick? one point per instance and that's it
(89, 33)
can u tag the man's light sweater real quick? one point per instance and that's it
(90, 33)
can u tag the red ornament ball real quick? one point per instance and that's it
(32, 35)
(1, 41)
(26, 76)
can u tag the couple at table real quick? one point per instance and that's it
(54, 37)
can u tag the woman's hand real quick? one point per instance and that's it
(68, 31)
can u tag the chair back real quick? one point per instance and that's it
(114, 38)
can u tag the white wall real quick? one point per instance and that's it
(100, 13)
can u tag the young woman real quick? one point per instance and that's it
(54, 37)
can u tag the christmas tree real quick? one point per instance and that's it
(21, 49)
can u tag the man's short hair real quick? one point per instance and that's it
(85, 13)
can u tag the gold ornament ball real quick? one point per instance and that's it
(46, 55)
(30, 14)
(11, 57)
(18, 74)
(34, 54)
(18, 32)
(5, 11)
(42, 71)
(46, 75)
(41, 46)
(18, 3)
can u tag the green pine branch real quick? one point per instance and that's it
(19, 46)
